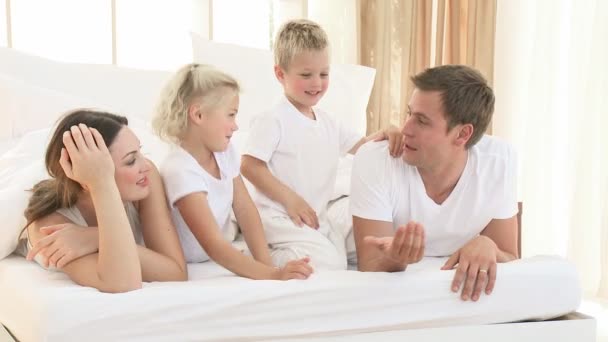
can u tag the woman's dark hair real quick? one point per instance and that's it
(60, 191)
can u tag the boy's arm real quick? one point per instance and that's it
(392, 134)
(257, 172)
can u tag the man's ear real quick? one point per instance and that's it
(194, 113)
(464, 134)
(279, 73)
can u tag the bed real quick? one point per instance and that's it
(541, 293)
(215, 305)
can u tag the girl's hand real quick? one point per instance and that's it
(295, 269)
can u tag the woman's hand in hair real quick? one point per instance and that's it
(64, 243)
(85, 157)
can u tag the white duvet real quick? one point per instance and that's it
(39, 305)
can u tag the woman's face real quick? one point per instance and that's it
(131, 167)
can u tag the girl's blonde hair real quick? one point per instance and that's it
(192, 82)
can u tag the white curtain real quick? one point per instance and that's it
(551, 83)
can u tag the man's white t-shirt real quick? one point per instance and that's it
(388, 189)
(183, 175)
(302, 153)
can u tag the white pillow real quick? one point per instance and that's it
(25, 107)
(19, 171)
(125, 91)
(347, 96)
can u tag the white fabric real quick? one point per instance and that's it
(551, 82)
(129, 92)
(183, 176)
(324, 246)
(300, 152)
(388, 189)
(214, 305)
(341, 222)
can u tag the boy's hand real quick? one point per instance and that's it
(395, 140)
(301, 213)
(295, 269)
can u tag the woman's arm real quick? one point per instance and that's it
(162, 259)
(115, 268)
(249, 221)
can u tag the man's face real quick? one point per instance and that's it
(427, 140)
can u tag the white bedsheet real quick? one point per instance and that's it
(215, 305)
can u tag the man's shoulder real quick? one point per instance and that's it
(373, 150)
(495, 158)
(494, 148)
(376, 155)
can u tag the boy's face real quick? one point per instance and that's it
(306, 79)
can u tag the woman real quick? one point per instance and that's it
(85, 220)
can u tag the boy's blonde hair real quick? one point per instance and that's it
(295, 37)
(190, 83)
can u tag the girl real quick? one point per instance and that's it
(102, 190)
(197, 112)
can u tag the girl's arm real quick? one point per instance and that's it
(249, 221)
(195, 210)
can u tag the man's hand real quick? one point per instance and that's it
(406, 247)
(476, 267)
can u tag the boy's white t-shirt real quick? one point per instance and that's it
(388, 189)
(183, 175)
(302, 153)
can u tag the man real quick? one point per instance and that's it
(453, 192)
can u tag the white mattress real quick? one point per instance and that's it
(215, 305)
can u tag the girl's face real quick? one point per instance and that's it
(131, 167)
(219, 123)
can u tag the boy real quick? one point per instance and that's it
(293, 149)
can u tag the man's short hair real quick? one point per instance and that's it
(295, 37)
(466, 96)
